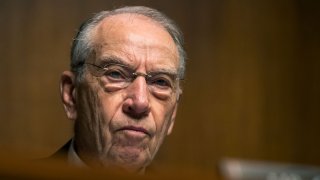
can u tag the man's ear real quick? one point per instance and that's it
(68, 94)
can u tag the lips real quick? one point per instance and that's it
(134, 129)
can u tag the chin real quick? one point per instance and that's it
(130, 159)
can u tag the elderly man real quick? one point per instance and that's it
(123, 88)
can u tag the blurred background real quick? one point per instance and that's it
(252, 89)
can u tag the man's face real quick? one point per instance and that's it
(125, 126)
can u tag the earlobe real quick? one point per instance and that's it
(68, 94)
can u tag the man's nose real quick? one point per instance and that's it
(136, 104)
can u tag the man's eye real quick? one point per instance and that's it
(115, 75)
(162, 83)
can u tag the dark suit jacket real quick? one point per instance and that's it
(62, 153)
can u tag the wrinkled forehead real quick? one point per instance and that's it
(124, 31)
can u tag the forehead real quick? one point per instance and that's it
(135, 38)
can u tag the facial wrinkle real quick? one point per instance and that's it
(91, 118)
(101, 136)
(163, 131)
(130, 53)
(147, 53)
(95, 115)
(83, 126)
(106, 155)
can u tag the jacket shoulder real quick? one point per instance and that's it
(62, 152)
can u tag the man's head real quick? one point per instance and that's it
(124, 86)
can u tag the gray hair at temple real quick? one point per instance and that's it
(82, 45)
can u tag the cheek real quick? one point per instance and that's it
(162, 114)
(162, 118)
(88, 102)
(111, 105)
(90, 122)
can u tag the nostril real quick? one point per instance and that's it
(135, 110)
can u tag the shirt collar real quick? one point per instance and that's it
(73, 157)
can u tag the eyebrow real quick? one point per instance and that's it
(165, 71)
(113, 60)
(117, 60)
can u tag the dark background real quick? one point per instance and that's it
(251, 91)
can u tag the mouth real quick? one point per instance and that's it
(135, 131)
